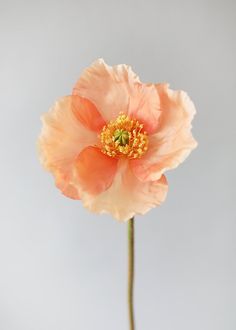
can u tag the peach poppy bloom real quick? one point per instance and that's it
(110, 142)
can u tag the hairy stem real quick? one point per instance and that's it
(131, 273)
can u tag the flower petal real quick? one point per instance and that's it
(64, 184)
(127, 195)
(108, 88)
(95, 171)
(61, 140)
(145, 106)
(173, 142)
(86, 112)
(177, 110)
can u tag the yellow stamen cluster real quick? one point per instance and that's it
(124, 137)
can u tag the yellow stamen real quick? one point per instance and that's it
(124, 137)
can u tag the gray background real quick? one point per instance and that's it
(64, 268)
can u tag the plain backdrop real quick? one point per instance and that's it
(62, 267)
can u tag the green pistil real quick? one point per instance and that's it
(122, 137)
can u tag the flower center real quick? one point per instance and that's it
(124, 137)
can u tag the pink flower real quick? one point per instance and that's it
(110, 142)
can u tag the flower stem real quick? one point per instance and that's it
(131, 272)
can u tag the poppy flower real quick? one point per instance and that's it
(110, 142)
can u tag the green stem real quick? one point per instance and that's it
(131, 272)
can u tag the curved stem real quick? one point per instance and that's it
(131, 272)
